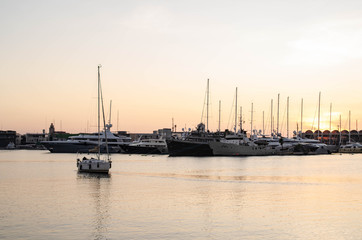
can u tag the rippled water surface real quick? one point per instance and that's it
(159, 197)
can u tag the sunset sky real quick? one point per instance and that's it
(158, 55)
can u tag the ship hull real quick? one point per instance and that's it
(228, 149)
(188, 148)
(82, 147)
(143, 150)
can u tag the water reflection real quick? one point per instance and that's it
(98, 187)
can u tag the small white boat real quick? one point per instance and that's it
(11, 145)
(351, 148)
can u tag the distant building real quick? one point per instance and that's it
(6, 137)
(51, 134)
(334, 137)
(33, 138)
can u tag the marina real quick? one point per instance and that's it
(160, 197)
(181, 120)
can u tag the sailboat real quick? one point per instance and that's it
(97, 165)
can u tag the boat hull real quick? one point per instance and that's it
(350, 150)
(93, 166)
(229, 149)
(83, 147)
(143, 150)
(188, 148)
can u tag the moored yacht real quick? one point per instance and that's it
(85, 143)
(239, 145)
(351, 148)
(146, 146)
(194, 143)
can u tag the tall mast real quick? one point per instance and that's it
(251, 122)
(263, 125)
(219, 114)
(330, 123)
(287, 117)
(104, 122)
(319, 112)
(278, 115)
(117, 120)
(207, 107)
(173, 129)
(330, 117)
(271, 118)
(340, 129)
(301, 119)
(110, 112)
(349, 127)
(241, 119)
(99, 110)
(236, 108)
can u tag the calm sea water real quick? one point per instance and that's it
(159, 197)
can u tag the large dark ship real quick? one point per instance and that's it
(195, 143)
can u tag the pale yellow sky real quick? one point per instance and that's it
(157, 56)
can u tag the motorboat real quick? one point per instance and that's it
(146, 146)
(85, 143)
(351, 148)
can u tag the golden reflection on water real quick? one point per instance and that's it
(98, 188)
(143, 197)
(255, 179)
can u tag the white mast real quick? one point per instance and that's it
(278, 115)
(330, 117)
(319, 113)
(236, 109)
(271, 118)
(349, 127)
(287, 117)
(110, 112)
(340, 129)
(251, 122)
(301, 119)
(117, 120)
(330, 123)
(219, 114)
(263, 125)
(99, 110)
(104, 122)
(241, 119)
(207, 107)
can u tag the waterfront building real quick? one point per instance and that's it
(334, 137)
(7, 137)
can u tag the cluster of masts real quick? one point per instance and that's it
(274, 130)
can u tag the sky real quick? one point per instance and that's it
(156, 57)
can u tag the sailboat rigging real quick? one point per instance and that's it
(96, 165)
